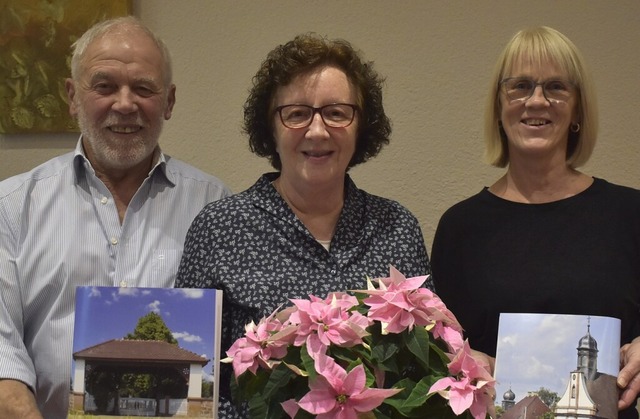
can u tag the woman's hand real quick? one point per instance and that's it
(490, 362)
(629, 375)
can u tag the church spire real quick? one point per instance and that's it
(588, 354)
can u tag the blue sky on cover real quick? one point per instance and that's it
(540, 350)
(105, 313)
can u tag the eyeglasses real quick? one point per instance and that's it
(335, 115)
(522, 88)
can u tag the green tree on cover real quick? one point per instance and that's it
(163, 383)
(550, 398)
(152, 327)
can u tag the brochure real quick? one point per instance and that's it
(146, 352)
(557, 365)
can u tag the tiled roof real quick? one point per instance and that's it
(603, 390)
(139, 351)
(531, 405)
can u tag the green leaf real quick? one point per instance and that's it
(379, 415)
(308, 363)
(438, 359)
(248, 384)
(417, 342)
(414, 402)
(384, 351)
(293, 355)
(349, 354)
(258, 406)
(280, 377)
(397, 400)
(418, 394)
(384, 355)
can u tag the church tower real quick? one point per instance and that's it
(508, 399)
(588, 354)
(576, 401)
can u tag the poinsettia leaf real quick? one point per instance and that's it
(438, 410)
(390, 365)
(279, 378)
(293, 355)
(397, 400)
(413, 401)
(384, 351)
(307, 363)
(348, 355)
(417, 342)
(419, 394)
(263, 408)
(379, 415)
(258, 406)
(438, 358)
(248, 384)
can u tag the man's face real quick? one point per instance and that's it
(120, 100)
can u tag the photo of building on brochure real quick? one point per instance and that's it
(145, 352)
(557, 366)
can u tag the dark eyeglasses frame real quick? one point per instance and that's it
(318, 110)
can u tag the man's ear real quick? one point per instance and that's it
(171, 100)
(71, 93)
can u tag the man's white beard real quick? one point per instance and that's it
(118, 153)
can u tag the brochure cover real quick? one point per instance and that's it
(146, 352)
(557, 366)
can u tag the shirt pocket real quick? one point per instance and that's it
(166, 260)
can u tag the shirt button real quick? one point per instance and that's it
(333, 271)
(114, 241)
(123, 284)
(104, 200)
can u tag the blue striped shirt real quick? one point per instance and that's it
(59, 228)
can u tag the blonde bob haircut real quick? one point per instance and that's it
(541, 46)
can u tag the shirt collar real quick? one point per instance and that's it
(270, 199)
(81, 163)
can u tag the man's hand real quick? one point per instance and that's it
(17, 401)
(629, 375)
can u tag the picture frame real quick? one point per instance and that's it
(35, 59)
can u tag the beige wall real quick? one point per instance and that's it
(437, 57)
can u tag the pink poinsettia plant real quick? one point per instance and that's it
(391, 351)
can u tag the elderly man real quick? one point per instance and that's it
(114, 212)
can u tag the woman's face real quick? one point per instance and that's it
(537, 127)
(317, 155)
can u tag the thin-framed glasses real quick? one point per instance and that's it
(335, 115)
(522, 88)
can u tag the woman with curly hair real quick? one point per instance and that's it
(315, 110)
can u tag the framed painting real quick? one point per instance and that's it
(35, 57)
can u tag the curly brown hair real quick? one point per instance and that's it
(301, 55)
